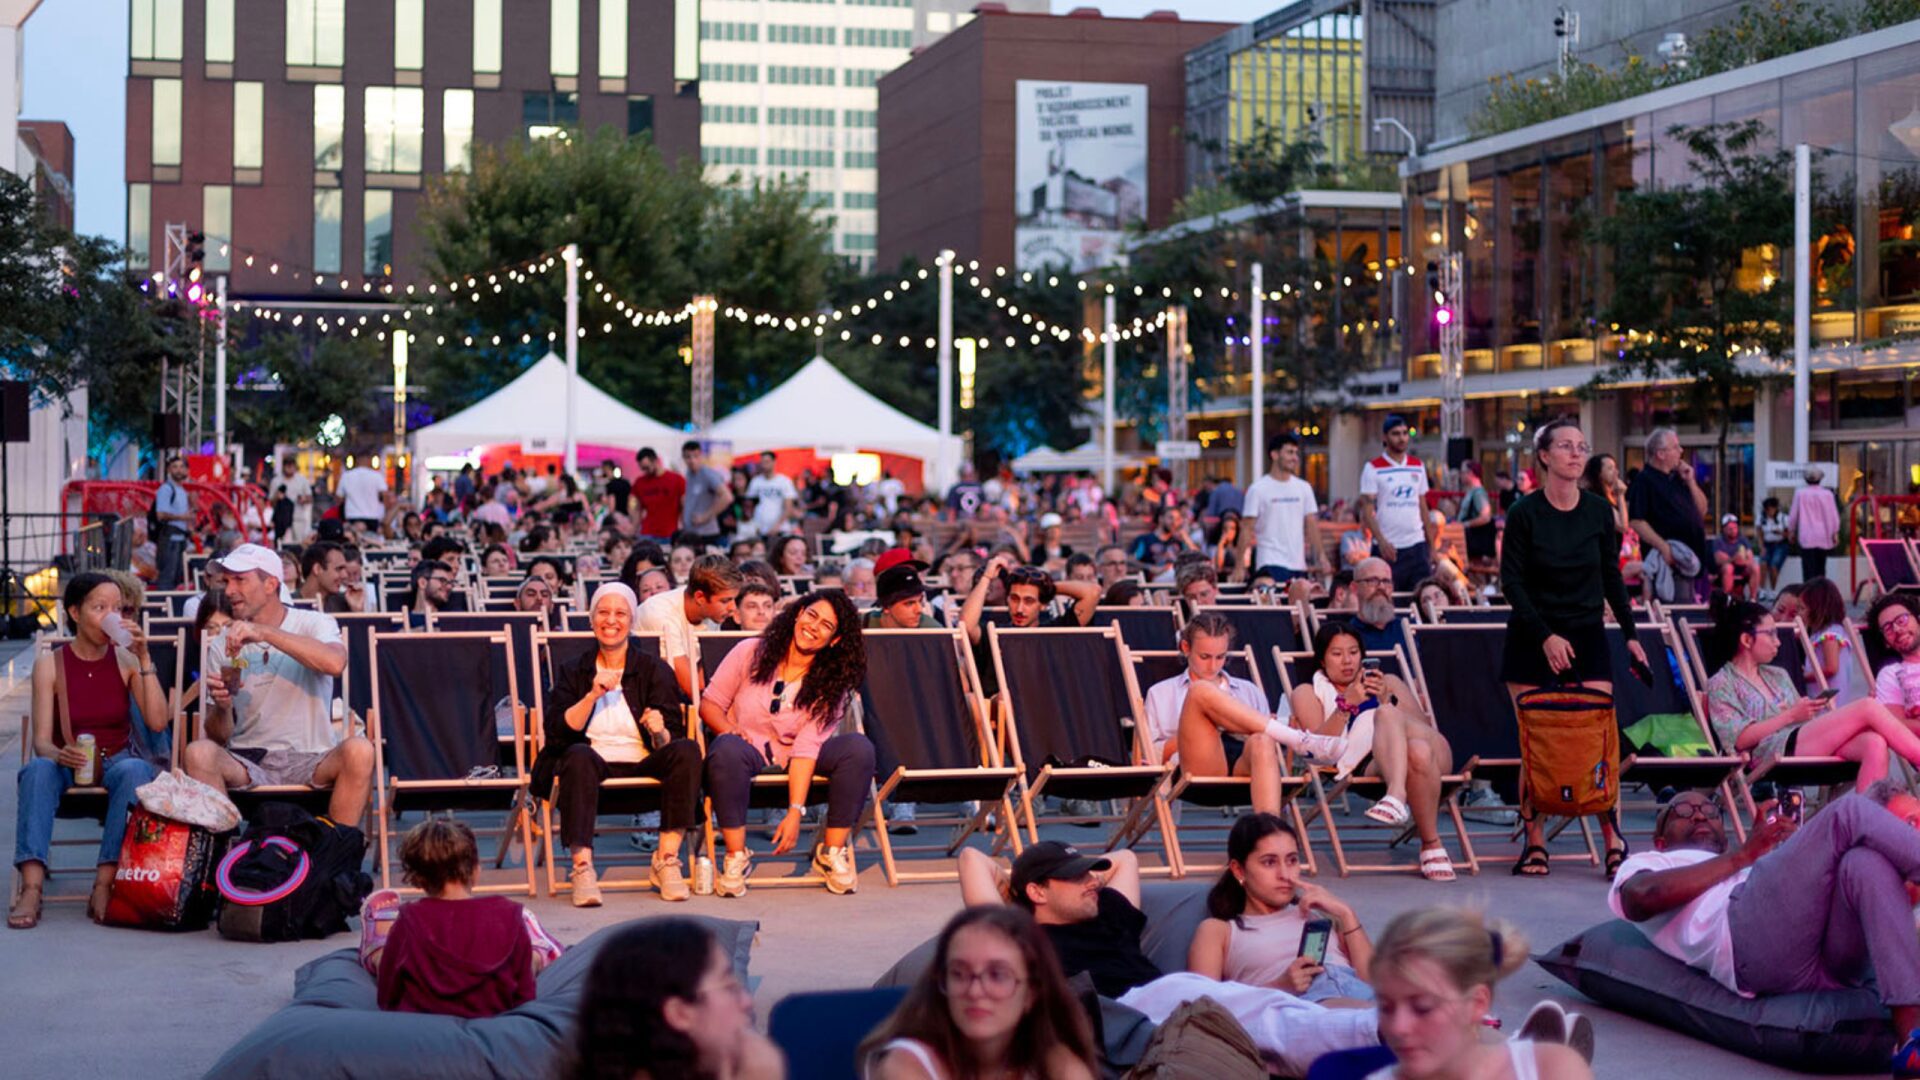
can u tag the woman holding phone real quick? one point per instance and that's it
(1560, 569)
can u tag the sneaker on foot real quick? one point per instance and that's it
(900, 819)
(836, 865)
(1082, 809)
(586, 886)
(1325, 749)
(667, 880)
(377, 915)
(732, 879)
(1906, 1060)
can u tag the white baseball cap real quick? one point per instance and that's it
(253, 557)
(1049, 520)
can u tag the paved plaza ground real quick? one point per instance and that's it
(87, 1001)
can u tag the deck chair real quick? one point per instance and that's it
(1294, 671)
(434, 736)
(920, 706)
(1457, 615)
(355, 686)
(1142, 627)
(1263, 629)
(1214, 792)
(1671, 694)
(174, 601)
(1070, 722)
(1892, 563)
(578, 620)
(521, 626)
(716, 644)
(820, 1032)
(1695, 614)
(565, 647)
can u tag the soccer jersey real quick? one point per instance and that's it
(1398, 490)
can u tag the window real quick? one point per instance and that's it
(729, 31)
(396, 116)
(819, 200)
(748, 73)
(563, 49)
(486, 37)
(880, 3)
(329, 126)
(729, 114)
(545, 115)
(639, 113)
(783, 75)
(802, 35)
(456, 130)
(139, 218)
(249, 146)
(409, 35)
(613, 40)
(686, 40)
(854, 241)
(158, 28)
(326, 231)
(880, 39)
(316, 33)
(166, 121)
(785, 117)
(858, 200)
(216, 220)
(729, 155)
(860, 117)
(860, 159)
(378, 252)
(803, 159)
(863, 77)
(219, 31)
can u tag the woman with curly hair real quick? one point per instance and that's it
(663, 1001)
(993, 1003)
(773, 705)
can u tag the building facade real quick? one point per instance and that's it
(299, 137)
(48, 145)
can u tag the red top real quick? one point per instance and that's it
(468, 958)
(659, 497)
(97, 701)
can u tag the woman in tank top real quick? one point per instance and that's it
(992, 1004)
(1261, 909)
(84, 687)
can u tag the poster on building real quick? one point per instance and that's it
(1079, 169)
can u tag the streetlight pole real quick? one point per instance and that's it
(220, 369)
(944, 468)
(1802, 296)
(1106, 395)
(1257, 382)
(572, 257)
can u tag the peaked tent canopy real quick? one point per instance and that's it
(1083, 458)
(532, 410)
(820, 407)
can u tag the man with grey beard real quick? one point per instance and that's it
(1376, 621)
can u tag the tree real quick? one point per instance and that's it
(293, 384)
(1697, 287)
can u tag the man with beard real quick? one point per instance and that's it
(1377, 623)
(432, 588)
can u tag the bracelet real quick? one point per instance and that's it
(797, 808)
(147, 671)
(1356, 929)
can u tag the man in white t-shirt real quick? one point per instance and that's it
(772, 493)
(1895, 617)
(1797, 907)
(888, 491)
(365, 493)
(1393, 507)
(269, 687)
(677, 615)
(1278, 519)
(300, 490)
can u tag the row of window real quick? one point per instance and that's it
(854, 241)
(743, 73)
(800, 159)
(783, 34)
(796, 158)
(860, 117)
(864, 76)
(729, 31)
(862, 159)
(880, 39)
(729, 114)
(216, 221)
(790, 117)
(859, 200)
(729, 155)
(789, 75)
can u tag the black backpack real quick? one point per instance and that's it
(291, 876)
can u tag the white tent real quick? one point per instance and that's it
(822, 408)
(1085, 457)
(532, 411)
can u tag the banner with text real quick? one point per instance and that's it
(1079, 171)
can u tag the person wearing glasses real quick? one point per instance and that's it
(1810, 906)
(1560, 569)
(1893, 642)
(1374, 617)
(992, 1003)
(1029, 592)
(1112, 565)
(432, 588)
(774, 706)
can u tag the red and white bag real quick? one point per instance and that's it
(165, 878)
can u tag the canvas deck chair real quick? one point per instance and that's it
(355, 685)
(1070, 723)
(1294, 671)
(436, 747)
(1670, 694)
(1262, 629)
(620, 797)
(1893, 565)
(1457, 615)
(1141, 627)
(920, 706)
(1693, 614)
(1214, 792)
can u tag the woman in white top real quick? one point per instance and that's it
(1261, 909)
(1433, 973)
(992, 1004)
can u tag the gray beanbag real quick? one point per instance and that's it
(334, 1027)
(1832, 1031)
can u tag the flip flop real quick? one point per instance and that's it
(97, 901)
(1390, 811)
(22, 917)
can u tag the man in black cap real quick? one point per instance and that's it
(900, 597)
(1393, 507)
(1088, 905)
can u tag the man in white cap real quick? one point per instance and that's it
(270, 695)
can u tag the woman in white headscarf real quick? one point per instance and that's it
(615, 713)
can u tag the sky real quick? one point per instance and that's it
(76, 53)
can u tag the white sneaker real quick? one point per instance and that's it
(1323, 749)
(586, 886)
(836, 865)
(667, 880)
(732, 879)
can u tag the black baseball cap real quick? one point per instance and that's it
(1051, 860)
(899, 583)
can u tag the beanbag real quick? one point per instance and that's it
(334, 1027)
(1831, 1031)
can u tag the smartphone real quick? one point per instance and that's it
(1642, 672)
(1315, 938)
(1828, 694)
(1370, 665)
(1793, 803)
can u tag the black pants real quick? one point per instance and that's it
(1813, 563)
(676, 765)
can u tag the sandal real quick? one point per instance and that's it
(1390, 811)
(1533, 862)
(1436, 864)
(1615, 856)
(25, 915)
(97, 901)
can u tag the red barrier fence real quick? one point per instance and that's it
(134, 498)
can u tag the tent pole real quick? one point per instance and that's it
(572, 256)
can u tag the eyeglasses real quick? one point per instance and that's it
(998, 981)
(439, 581)
(1695, 808)
(1387, 581)
(1899, 622)
(1579, 448)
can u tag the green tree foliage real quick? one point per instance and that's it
(288, 384)
(1696, 271)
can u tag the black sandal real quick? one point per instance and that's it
(1615, 856)
(1533, 862)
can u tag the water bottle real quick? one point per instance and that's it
(703, 876)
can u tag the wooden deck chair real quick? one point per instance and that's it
(1141, 627)
(1294, 671)
(1694, 614)
(1070, 722)
(714, 647)
(1214, 792)
(1458, 667)
(312, 799)
(520, 626)
(175, 601)
(920, 705)
(355, 686)
(578, 620)
(1892, 563)
(1458, 615)
(620, 797)
(1671, 694)
(1262, 629)
(434, 737)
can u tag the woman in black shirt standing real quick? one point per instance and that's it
(1560, 569)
